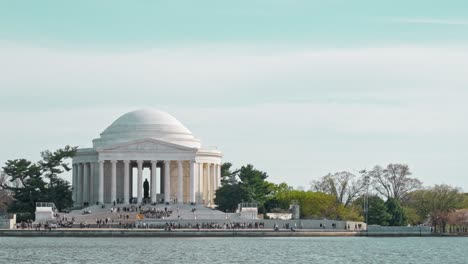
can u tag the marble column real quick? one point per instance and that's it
(180, 182)
(213, 183)
(85, 183)
(167, 181)
(192, 181)
(91, 183)
(209, 180)
(218, 176)
(79, 189)
(153, 180)
(140, 181)
(126, 181)
(101, 182)
(196, 181)
(74, 183)
(201, 189)
(114, 181)
(215, 179)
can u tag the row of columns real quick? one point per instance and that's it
(83, 180)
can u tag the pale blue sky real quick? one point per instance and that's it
(298, 88)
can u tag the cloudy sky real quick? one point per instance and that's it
(297, 88)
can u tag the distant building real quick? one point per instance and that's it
(146, 138)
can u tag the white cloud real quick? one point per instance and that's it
(292, 141)
(371, 72)
(294, 113)
(431, 21)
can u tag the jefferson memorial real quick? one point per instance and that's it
(180, 169)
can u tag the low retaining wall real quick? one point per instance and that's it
(4, 223)
(374, 230)
(7, 223)
(174, 233)
(267, 223)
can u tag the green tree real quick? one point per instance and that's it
(31, 187)
(436, 203)
(377, 210)
(413, 217)
(60, 194)
(228, 197)
(253, 185)
(244, 185)
(316, 205)
(53, 163)
(39, 182)
(227, 175)
(273, 202)
(398, 214)
(465, 201)
(311, 204)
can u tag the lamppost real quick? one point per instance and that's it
(366, 200)
(367, 182)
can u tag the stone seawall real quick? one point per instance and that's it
(375, 230)
(402, 234)
(173, 233)
(201, 233)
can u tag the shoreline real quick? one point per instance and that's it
(76, 232)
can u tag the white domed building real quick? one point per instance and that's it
(180, 169)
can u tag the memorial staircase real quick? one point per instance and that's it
(89, 215)
(118, 218)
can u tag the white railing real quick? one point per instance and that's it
(44, 204)
(200, 216)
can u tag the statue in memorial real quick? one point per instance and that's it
(146, 189)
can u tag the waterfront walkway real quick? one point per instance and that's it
(116, 232)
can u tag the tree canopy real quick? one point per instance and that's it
(397, 213)
(436, 203)
(316, 205)
(377, 210)
(5, 195)
(394, 181)
(244, 185)
(228, 176)
(39, 182)
(344, 186)
(395, 198)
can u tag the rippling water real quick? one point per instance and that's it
(234, 250)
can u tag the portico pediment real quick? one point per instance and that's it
(148, 146)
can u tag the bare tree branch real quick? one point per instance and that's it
(394, 181)
(345, 186)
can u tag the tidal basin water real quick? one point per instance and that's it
(234, 250)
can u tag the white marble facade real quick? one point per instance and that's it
(152, 140)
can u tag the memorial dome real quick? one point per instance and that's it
(147, 123)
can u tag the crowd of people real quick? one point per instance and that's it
(46, 226)
(224, 226)
(109, 222)
(28, 224)
(59, 222)
(233, 225)
(125, 209)
(65, 221)
(155, 213)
